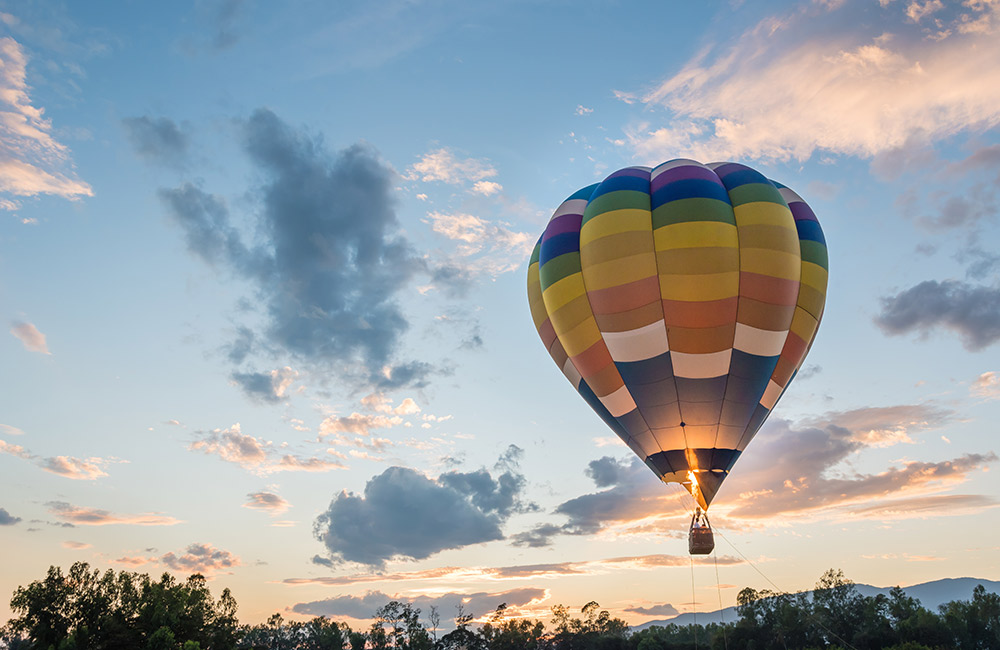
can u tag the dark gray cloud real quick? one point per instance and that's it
(266, 387)
(224, 16)
(606, 471)
(157, 140)
(971, 311)
(666, 609)
(7, 519)
(256, 385)
(404, 514)
(364, 607)
(982, 263)
(632, 493)
(326, 261)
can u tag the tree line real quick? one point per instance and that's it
(85, 609)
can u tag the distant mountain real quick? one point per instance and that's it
(930, 595)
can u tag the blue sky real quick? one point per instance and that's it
(262, 276)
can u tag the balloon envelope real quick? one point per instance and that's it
(680, 301)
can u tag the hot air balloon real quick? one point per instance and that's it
(680, 301)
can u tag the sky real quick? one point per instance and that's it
(262, 288)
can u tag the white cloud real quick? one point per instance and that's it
(487, 188)
(32, 162)
(987, 385)
(583, 110)
(255, 454)
(497, 248)
(8, 430)
(269, 502)
(442, 165)
(83, 516)
(30, 337)
(783, 92)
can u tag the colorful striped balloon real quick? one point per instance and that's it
(680, 301)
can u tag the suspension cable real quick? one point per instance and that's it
(782, 591)
(694, 603)
(722, 610)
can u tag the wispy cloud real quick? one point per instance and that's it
(514, 572)
(476, 604)
(76, 546)
(81, 469)
(83, 516)
(7, 430)
(29, 336)
(987, 385)
(256, 454)
(158, 140)
(442, 165)
(32, 161)
(787, 88)
(269, 502)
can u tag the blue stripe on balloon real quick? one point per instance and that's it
(690, 188)
(617, 183)
(553, 247)
(810, 230)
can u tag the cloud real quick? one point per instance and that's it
(801, 469)
(83, 516)
(330, 261)
(633, 494)
(15, 450)
(7, 430)
(971, 311)
(790, 470)
(442, 165)
(477, 603)
(987, 385)
(404, 514)
(7, 519)
(267, 387)
(357, 423)
(201, 558)
(484, 248)
(666, 609)
(76, 546)
(75, 468)
(255, 454)
(884, 426)
(30, 337)
(930, 506)
(508, 573)
(88, 469)
(813, 80)
(486, 188)
(223, 17)
(268, 502)
(157, 140)
(32, 162)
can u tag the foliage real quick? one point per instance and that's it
(87, 610)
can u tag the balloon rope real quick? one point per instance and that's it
(782, 591)
(722, 611)
(694, 604)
